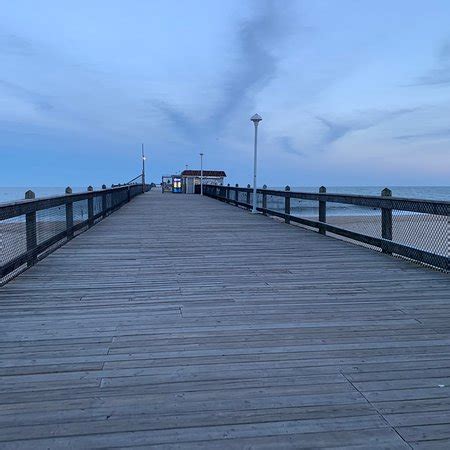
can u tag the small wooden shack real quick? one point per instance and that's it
(192, 179)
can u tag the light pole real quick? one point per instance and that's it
(143, 169)
(255, 119)
(201, 173)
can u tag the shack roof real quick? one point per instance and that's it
(206, 173)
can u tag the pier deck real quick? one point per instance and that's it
(183, 322)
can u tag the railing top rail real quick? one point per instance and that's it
(16, 208)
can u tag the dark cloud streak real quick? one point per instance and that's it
(439, 134)
(11, 44)
(287, 145)
(39, 101)
(254, 66)
(335, 130)
(440, 75)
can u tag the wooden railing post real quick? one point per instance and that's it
(228, 193)
(236, 195)
(248, 195)
(287, 204)
(90, 207)
(69, 215)
(322, 211)
(264, 200)
(386, 220)
(31, 230)
(104, 202)
(128, 194)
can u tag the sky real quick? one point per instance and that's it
(350, 92)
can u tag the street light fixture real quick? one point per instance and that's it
(201, 173)
(255, 119)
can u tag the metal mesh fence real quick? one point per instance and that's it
(12, 238)
(358, 219)
(428, 232)
(80, 211)
(50, 222)
(32, 228)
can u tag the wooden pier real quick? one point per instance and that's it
(184, 322)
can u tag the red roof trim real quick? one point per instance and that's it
(206, 173)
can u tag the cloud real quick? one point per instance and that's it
(176, 118)
(39, 101)
(11, 44)
(287, 145)
(256, 62)
(440, 75)
(335, 130)
(439, 134)
(253, 67)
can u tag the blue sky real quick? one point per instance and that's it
(351, 92)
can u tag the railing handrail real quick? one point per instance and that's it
(16, 208)
(437, 207)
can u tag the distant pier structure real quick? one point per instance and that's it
(189, 181)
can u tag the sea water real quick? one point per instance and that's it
(9, 194)
(306, 207)
(310, 207)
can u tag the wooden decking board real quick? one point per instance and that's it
(183, 322)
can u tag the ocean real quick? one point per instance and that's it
(8, 194)
(303, 207)
(310, 208)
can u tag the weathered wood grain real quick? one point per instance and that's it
(183, 322)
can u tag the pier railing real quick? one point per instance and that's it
(415, 229)
(31, 228)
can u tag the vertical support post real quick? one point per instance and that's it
(104, 201)
(264, 199)
(322, 211)
(69, 215)
(227, 196)
(143, 169)
(31, 230)
(201, 173)
(128, 194)
(386, 220)
(255, 157)
(255, 119)
(248, 195)
(236, 195)
(287, 205)
(90, 207)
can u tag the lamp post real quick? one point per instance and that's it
(201, 173)
(255, 119)
(143, 169)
